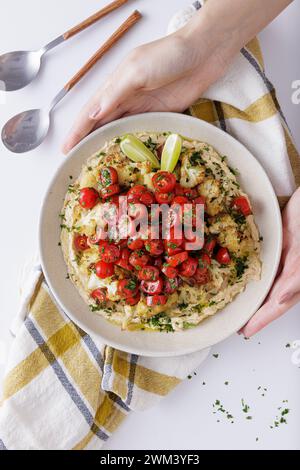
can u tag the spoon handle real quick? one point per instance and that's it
(94, 18)
(131, 20)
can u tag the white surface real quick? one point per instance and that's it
(185, 419)
(214, 329)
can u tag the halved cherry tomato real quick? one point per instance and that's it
(242, 204)
(179, 190)
(158, 262)
(169, 272)
(164, 182)
(152, 287)
(171, 285)
(81, 243)
(175, 260)
(181, 200)
(148, 273)
(104, 270)
(195, 239)
(154, 247)
(164, 198)
(110, 191)
(99, 295)
(147, 198)
(123, 262)
(135, 243)
(189, 267)
(156, 300)
(133, 300)
(204, 260)
(173, 246)
(223, 256)
(200, 200)
(108, 176)
(138, 259)
(135, 193)
(202, 276)
(128, 288)
(109, 253)
(88, 198)
(210, 245)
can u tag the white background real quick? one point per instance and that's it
(185, 419)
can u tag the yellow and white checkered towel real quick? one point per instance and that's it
(66, 390)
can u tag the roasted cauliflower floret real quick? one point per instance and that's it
(211, 190)
(221, 223)
(229, 236)
(192, 172)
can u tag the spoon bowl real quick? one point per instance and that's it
(26, 131)
(19, 68)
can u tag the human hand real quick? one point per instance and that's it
(166, 75)
(285, 292)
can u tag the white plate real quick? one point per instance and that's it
(213, 330)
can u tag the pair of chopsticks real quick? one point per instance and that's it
(114, 38)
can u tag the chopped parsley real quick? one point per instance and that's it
(161, 322)
(196, 159)
(241, 266)
(151, 145)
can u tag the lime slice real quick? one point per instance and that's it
(137, 151)
(171, 152)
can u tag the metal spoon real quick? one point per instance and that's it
(27, 130)
(19, 68)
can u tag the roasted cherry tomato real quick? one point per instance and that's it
(108, 176)
(242, 204)
(171, 285)
(133, 300)
(169, 272)
(109, 253)
(164, 182)
(223, 256)
(148, 273)
(152, 287)
(81, 243)
(138, 259)
(104, 270)
(135, 243)
(202, 276)
(88, 198)
(123, 261)
(154, 247)
(135, 193)
(164, 198)
(189, 267)
(156, 300)
(176, 260)
(210, 245)
(109, 191)
(128, 288)
(147, 198)
(99, 295)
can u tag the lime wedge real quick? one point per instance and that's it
(137, 151)
(171, 152)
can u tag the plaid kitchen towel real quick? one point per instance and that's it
(66, 390)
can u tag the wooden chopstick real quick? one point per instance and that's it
(94, 18)
(114, 38)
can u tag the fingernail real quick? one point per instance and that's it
(95, 113)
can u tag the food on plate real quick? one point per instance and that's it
(135, 268)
